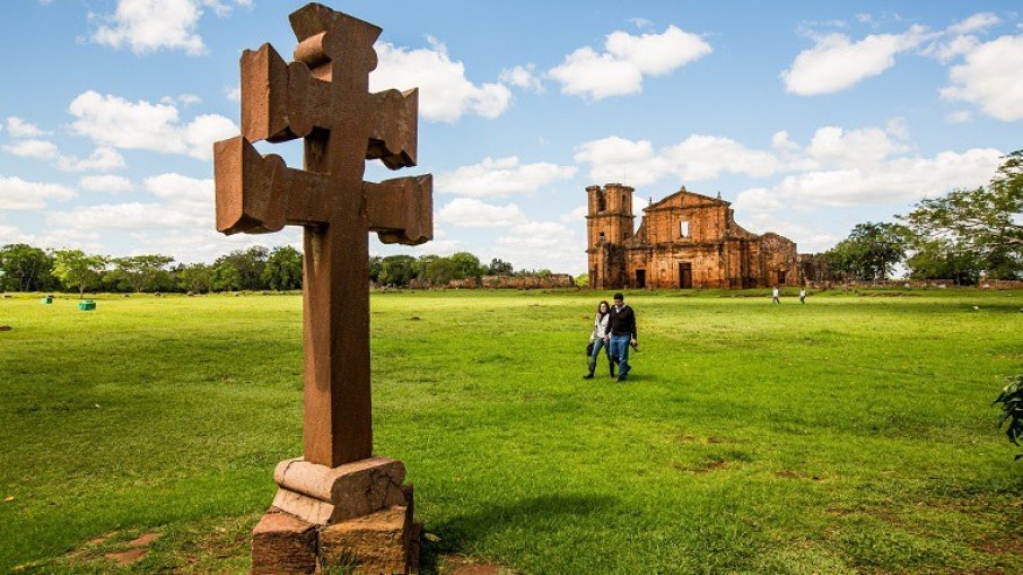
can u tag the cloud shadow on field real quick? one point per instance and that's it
(460, 533)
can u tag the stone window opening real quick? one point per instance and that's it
(683, 229)
(601, 203)
(602, 237)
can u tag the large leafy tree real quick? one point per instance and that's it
(283, 270)
(140, 271)
(76, 270)
(25, 268)
(871, 251)
(375, 267)
(248, 268)
(397, 270)
(987, 221)
(466, 265)
(194, 278)
(499, 267)
(439, 271)
(939, 258)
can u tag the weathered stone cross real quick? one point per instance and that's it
(323, 97)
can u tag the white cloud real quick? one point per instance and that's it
(781, 142)
(471, 213)
(698, 157)
(620, 69)
(976, 23)
(863, 148)
(108, 184)
(835, 63)
(115, 122)
(188, 203)
(576, 215)
(893, 181)
(541, 245)
(233, 94)
(501, 177)
(183, 99)
(102, 159)
(40, 149)
(522, 77)
(189, 196)
(17, 194)
(445, 94)
(959, 117)
(19, 128)
(616, 159)
(702, 157)
(989, 78)
(149, 25)
(757, 199)
(127, 216)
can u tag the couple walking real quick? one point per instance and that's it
(615, 328)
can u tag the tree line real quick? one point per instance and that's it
(965, 235)
(31, 269)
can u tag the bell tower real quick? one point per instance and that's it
(609, 224)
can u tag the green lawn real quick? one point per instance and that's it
(854, 434)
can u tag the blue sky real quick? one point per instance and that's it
(809, 117)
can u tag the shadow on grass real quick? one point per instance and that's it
(463, 533)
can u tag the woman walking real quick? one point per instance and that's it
(597, 339)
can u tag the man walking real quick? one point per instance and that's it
(621, 333)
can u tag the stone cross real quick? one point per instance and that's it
(323, 97)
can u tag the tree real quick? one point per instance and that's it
(248, 264)
(440, 271)
(141, 270)
(25, 268)
(74, 269)
(499, 267)
(283, 270)
(941, 259)
(466, 265)
(375, 267)
(194, 278)
(985, 220)
(1011, 399)
(225, 277)
(871, 251)
(397, 270)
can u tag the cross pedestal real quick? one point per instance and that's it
(323, 97)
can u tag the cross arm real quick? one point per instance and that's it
(257, 194)
(282, 101)
(400, 210)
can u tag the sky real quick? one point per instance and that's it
(809, 117)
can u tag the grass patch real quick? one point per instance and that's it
(854, 434)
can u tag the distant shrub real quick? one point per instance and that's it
(1011, 399)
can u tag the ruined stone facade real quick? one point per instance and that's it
(686, 240)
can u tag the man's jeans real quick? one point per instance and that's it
(620, 353)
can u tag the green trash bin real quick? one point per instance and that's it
(47, 300)
(87, 305)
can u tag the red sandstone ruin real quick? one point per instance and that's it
(686, 240)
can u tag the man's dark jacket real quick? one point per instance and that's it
(623, 322)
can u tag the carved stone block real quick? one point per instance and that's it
(283, 545)
(373, 544)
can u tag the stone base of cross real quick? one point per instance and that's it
(338, 503)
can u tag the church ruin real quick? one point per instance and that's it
(686, 240)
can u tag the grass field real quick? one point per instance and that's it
(854, 434)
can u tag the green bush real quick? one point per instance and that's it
(1011, 399)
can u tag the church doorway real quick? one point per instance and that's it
(685, 275)
(640, 278)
